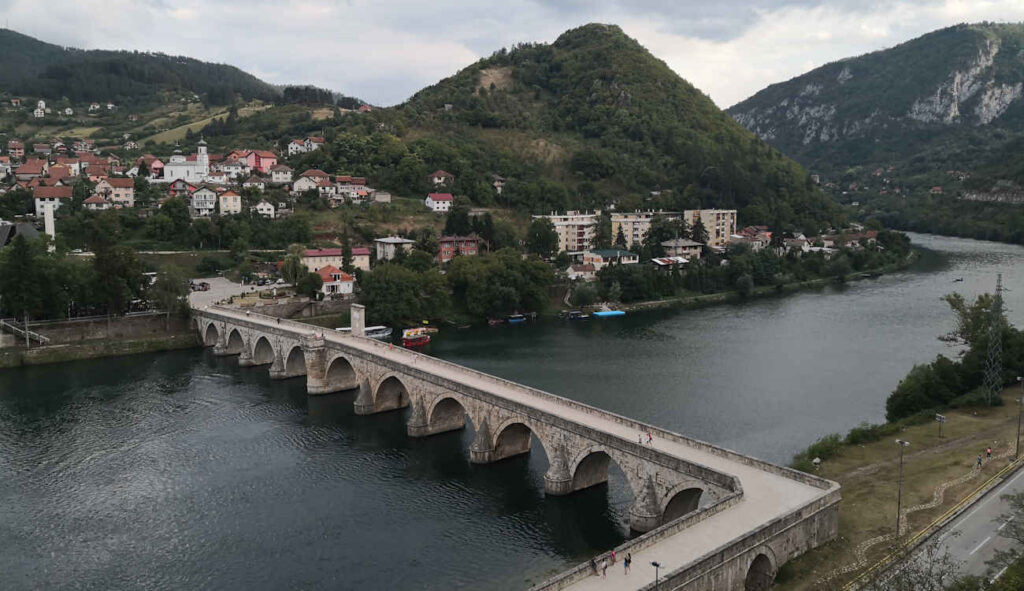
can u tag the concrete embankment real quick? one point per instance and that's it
(92, 338)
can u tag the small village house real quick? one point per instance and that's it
(439, 202)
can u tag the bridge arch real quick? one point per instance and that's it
(683, 499)
(262, 352)
(211, 335)
(761, 572)
(590, 468)
(295, 363)
(341, 374)
(235, 344)
(391, 393)
(513, 437)
(447, 413)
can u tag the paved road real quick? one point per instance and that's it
(222, 289)
(974, 537)
(766, 495)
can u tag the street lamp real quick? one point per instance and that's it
(899, 485)
(656, 566)
(940, 419)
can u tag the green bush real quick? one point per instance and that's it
(868, 433)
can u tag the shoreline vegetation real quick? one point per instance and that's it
(977, 415)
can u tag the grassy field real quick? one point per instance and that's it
(178, 133)
(868, 475)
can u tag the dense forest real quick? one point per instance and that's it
(37, 69)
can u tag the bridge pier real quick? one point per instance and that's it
(314, 352)
(220, 348)
(645, 514)
(245, 357)
(482, 450)
(364, 400)
(447, 415)
(558, 480)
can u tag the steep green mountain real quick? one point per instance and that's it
(33, 68)
(589, 120)
(949, 100)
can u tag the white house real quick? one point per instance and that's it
(230, 203)
(296, 147)
(254, 182)
(203, 202)
(336, 281)
(314, 143)
(304, 184)
(280, 174)
(69, 111)
(234, 168)
(96, 203)
(439, 202)
(265, 209)
(50, 197)
(388, 246)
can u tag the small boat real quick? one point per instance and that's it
(577, 315)
(380, 333)
(495, 321)
(609, 313)
(415, 337)
(516, 318)
(958, 280)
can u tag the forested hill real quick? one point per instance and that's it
(33, 68)
(949, 100)
(590, 120)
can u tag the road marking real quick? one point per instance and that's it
(999, 574)
(983, 542)
(1007, 523)
(985, 502)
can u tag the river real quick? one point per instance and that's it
(181, 470)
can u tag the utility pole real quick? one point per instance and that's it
(1020, 403)
(994, 364)
(899, 485)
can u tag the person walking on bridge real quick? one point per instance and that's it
(604, 568)
(627, 561)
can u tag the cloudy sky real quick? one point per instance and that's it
(384, 50)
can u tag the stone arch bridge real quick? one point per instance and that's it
(716, 519)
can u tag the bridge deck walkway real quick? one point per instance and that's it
(766, 496)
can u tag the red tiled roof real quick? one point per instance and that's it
(361, 251)
(315, 172)
(459, 239)
(95, 199)
(316, 139)
(327, 274)
(440, 196)
(441, 173)
(30, 167)
(52, 193)
(323, 252)
(120, 183)
(265, 154)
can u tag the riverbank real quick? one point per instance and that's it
(733, 297)
(938, 473)
(42, 355)
(96, 337)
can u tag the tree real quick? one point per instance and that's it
(122, 278)
(620, 239)
(20, 288)
(170, 292)
(292, 269)
(603, 231)
(309, 285)
(346, 253)
(457, 223)
(541, 238)
(699, 232)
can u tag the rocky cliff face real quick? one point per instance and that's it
(943, 82)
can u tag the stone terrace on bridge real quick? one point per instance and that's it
(715, 519)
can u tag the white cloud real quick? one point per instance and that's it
(383, 51)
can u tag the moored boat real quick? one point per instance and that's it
(415, 337)
(609, 313)
(380, 333)
(516, 318)
(495, 321)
